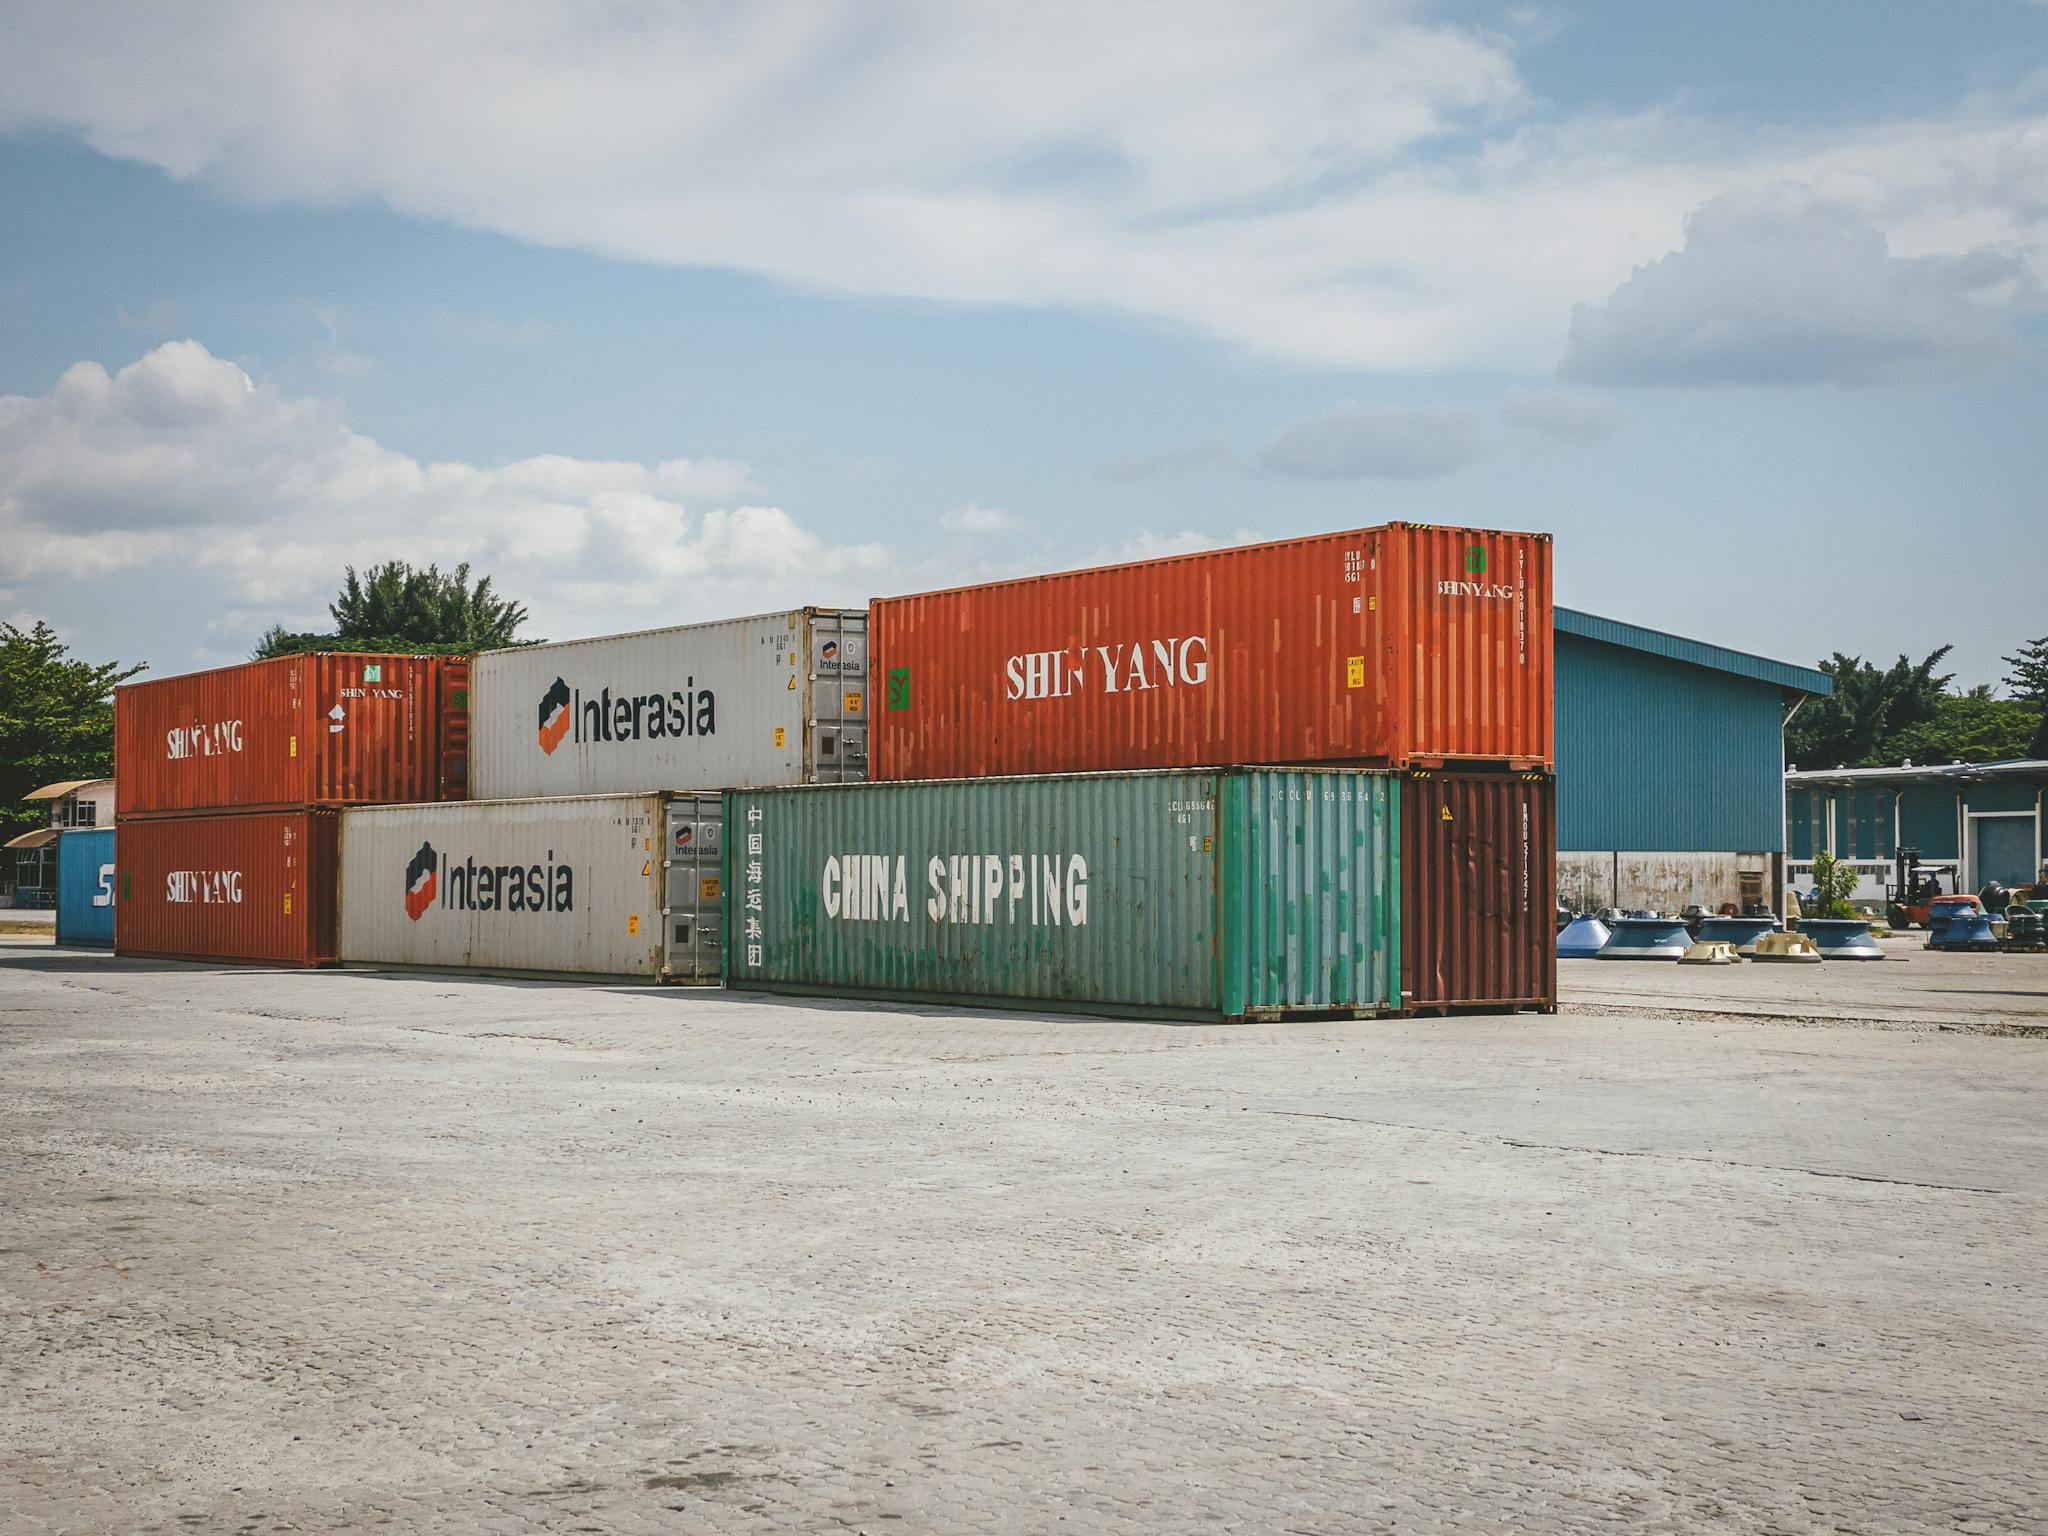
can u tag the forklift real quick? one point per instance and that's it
(1914, 888)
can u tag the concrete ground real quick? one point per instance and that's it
(338, 1251)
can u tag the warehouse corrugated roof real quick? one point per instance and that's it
(1781, 674)
(2025, 769)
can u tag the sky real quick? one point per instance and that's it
(659, 313)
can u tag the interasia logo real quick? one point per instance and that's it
(422, 881)
(473, 887)
(555, 716)
(569, 713)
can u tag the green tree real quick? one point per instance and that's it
(1834, 882)
(2028, 678)
(1971, 727)
(56, 719)
(1869, 707)
(393, 607)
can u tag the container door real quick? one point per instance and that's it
(1310, 892)
(694, 906)
(839, 698)
(1478, 890)
(454, 733)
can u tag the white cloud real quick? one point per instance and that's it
(1209, 455)
(975, 518)
(1566, 413)
(1351, 182)
(1785, 286)
(158, 319)
(181, 463)
(1368, 440)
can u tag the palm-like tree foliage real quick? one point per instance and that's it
(394, 607)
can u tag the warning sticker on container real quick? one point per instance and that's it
(1354, 671)
(633, 923)
(707, 889)
(779, 735)
(853, 703)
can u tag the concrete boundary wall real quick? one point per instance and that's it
(1663, 882)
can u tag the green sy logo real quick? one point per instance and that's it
(899, 688)
(1475, 559)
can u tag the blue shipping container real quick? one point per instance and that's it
(85, 887)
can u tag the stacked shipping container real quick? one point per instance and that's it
(1348, 806)
(584, 851)
(1382, 646)
(1192, 894)
(1398, 648)
(564, 886)
(226, 784)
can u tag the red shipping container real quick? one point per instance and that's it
(1478, 891)
(1379, 647)
(247, 888)
(327, 729)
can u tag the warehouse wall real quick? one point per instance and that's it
(1663, 755)
(1872, 821)
(1662, 882)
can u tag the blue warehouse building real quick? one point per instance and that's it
(1985, 820)
(1670, 767)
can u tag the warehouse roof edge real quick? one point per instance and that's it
(1698, 653)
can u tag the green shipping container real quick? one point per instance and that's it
(1217, 895)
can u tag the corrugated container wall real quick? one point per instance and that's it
(327, 729)
(1478, 890)
(1384, 646)
(776, 699)
(1182, 894)
(240, 887)
(568, 886)
(85, 887)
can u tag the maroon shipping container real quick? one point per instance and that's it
(1381, 647)
(1478, 890)
(246, 887)
(327, 729)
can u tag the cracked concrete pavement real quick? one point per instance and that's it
(314, 1252)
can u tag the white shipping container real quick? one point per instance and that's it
(573, 886)
(776, 699)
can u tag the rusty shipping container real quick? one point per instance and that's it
(254, 888)
(1383, 647)
(326, 729)
(1478, 890)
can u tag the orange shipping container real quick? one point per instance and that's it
(255, 888)
(327, 729)
(1382, 647)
